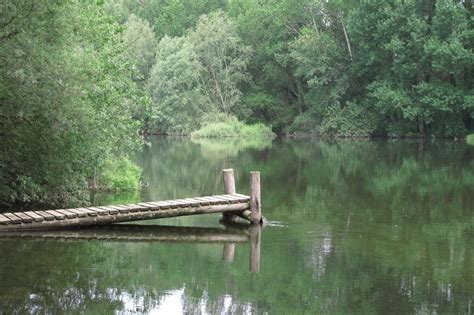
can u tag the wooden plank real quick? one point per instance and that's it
(236, 197)
(90, 213)
(208, 200)
(36, 217)
(192, 202)
(13, 218)
(4, 220)
(45, 215)
(111, 210)
(173, 204)
(178, 203)
(99, 211)
(147, 206)
(221, 200)
(183, 203)
(57, 215)
(162, 204)
(80, 213)
(121, 209)
(230, 198)
(24, 218)
(154, 205)
(242, 196)
(135, 207)
(202, 201)
(217, 201)
(68, 214)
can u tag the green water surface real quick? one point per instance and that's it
(355, 227)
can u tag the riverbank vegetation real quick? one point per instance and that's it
(470, 139)
(224, 126)
(80, 82)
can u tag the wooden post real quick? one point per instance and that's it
(229, 189)
(255, 198)
(229, 181)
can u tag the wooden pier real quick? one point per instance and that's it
(231, 204)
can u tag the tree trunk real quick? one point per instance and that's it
(421, 126)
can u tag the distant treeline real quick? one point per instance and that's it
(341, 67)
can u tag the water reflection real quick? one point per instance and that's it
(364, 227)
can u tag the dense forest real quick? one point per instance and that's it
(81, 82)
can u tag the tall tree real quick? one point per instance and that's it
(140, 44)
(62, 82)
(223, 60)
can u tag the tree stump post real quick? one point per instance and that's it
(255, 198)
(229, 189)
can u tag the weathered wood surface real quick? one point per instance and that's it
(255, 198)
(63, 218)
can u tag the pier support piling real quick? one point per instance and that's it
(255, 198)
(229, 189)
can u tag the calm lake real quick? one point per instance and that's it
(354, 227)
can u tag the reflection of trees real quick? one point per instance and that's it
(354, 193)
(366, 226)
(363, 190)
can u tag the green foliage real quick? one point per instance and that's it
(174, 86)
(223, 60)
(409, 62)
(140, 44)
(67, 99)
(120, 174)
(351, 121)
(223, 126)
(79, 79)
(470, 139)
(259, 106)
(304, 123)
(197, 73)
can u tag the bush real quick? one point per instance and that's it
(353, 120)
(304, 123)
(224, 126)
(120, 174)
(470, 139)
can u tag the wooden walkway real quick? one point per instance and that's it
(62, 218)
(231, 204)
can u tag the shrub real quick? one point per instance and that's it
(470, 139)
(224, 126)
(303, 123)
(352, 120)
(120, 174)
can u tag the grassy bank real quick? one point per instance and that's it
(225, 126)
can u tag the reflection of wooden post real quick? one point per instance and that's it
(229, 251)
(229, 189)
(255, 198)
(255, 240)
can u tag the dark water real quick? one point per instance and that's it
(355, 227)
